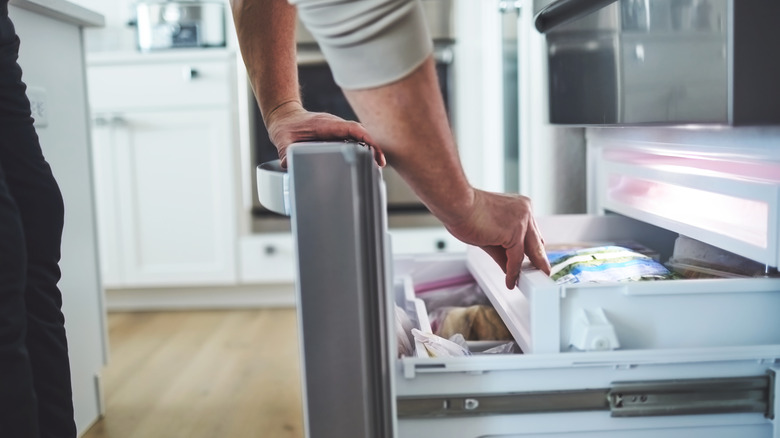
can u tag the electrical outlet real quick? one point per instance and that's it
(39, 106)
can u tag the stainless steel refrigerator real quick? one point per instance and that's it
(677, 358)
(689, 92)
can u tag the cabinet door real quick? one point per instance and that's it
(106, 196)
(175, 198)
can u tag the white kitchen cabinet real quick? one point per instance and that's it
(164, 160)
(267, 258)
(424, 240)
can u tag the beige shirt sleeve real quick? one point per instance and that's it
(368, 43)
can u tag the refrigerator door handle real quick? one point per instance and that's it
(273, 187)
(564, 11)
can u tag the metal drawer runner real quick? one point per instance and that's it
(623, 399)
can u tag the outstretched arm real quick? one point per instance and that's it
(266, 35)
(408, 119)
(381, 58)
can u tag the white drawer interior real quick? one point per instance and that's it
(545, 317)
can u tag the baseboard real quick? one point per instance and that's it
(200, 298)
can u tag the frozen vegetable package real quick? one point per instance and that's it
(604, 264)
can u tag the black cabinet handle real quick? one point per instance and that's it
(563, 11)
(190, 73)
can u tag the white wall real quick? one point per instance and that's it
(552, 159)
(116, 35)
(52, 61)
(478, 118)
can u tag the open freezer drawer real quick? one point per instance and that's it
(692, 391)
(355, 385)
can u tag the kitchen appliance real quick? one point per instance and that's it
(689, 358)
(162, 24)
(320, 93)
(664, 61)
(695, 357)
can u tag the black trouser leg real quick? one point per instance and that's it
(31, 186)
(18, 407)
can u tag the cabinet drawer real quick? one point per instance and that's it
(424, 240)
(179, 84)
(267, 258)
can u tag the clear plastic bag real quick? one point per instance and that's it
(403, 332)
(463, 295)
(508, 348)
(436, 346)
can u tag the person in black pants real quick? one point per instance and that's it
(35, 389)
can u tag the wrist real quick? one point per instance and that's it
(282, 109)
(459, 208)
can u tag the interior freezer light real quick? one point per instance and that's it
(742, 219)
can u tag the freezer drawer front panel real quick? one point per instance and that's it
(586, 425)
(338, 223)
(563, 398)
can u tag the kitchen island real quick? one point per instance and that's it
(51, 55)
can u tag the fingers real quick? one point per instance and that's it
(356, 131)
(514, 260)
(379, 156)
(498, 254)
(534, 245)
(509, 261)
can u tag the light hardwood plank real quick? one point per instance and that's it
(202, 374)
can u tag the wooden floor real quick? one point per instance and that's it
(202, 374)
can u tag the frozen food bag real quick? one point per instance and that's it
(604, 264)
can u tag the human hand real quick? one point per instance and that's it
(291, 123)
(504, 227)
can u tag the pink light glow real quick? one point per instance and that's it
(709, 165)
(741, 219)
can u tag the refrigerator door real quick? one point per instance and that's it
(339, 223)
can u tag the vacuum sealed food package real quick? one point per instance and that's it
(694, 259)
(608, 263)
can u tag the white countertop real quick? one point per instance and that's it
(62, 10)
(170, 55)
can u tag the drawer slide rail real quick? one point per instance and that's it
(622, 399)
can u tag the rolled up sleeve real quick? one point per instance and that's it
(368, 43)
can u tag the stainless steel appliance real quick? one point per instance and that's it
(320, 93)
(696, 358)
(692, 358)
(167, 24)
(663, 61)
